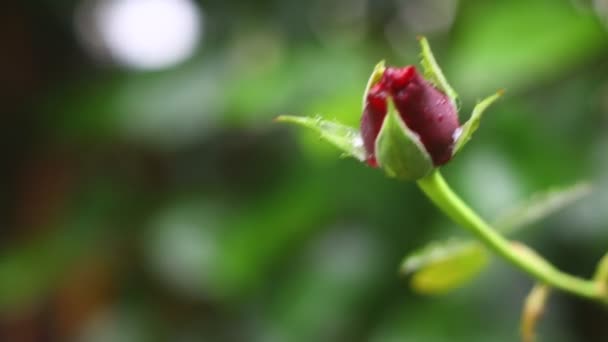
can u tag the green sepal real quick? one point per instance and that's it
(346, 138)
(399, 150)
(469, 127)
(442, 266)
(433, 73)
(374, 78)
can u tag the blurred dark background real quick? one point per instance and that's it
(148, 196)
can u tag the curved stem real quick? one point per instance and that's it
(601, 276)
(436, 188)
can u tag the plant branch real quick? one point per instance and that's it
(439, 192)
(601, 276)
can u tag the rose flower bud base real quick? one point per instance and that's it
(425, 110)
(409, 128)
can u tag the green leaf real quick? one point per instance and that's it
(472, 124)
(428, 262)
(399, 150)
(433, 73)
(346, 138)
(443, 266)
(374, 78)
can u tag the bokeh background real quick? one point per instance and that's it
(148, 196)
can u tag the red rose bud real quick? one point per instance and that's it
(425, 110)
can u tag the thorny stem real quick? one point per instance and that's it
(440, 193)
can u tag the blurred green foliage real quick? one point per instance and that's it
(217, 224)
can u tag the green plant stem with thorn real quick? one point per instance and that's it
(440, 193)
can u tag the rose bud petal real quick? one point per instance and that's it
(371, 121)
(425, 110)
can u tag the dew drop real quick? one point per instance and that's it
(457, 133)
(357, 140)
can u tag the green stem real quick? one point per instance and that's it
(436, 188)
(601, 276)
